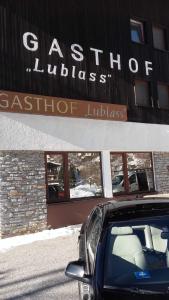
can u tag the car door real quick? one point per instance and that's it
(92, 238)
(89, 237)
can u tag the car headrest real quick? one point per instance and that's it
(121, 230)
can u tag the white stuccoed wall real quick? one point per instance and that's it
(106, 174)
(33, 132)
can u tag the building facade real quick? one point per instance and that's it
(84, 106)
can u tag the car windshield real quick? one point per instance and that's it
(116, 180)
(137, 254)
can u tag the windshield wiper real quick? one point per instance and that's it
(135, 290)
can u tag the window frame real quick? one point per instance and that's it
(67, 198)
(137, 21)
(164, 29)
(158, 102)
(126, 170)
(96, 217)
(150, 99)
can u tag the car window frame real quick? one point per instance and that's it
(91, 257)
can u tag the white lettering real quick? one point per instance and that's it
(26, 100)
(73, 71)
(73, 106)
(37, 66)
(4, 103)
(133, 65)
(89, 112)
(49, 105)
(82, 75)
(96, 51)
(33, 43)
(52, 71)
(55, 47)
(77, 55)
(102, 78)
(64, 71)
(115, 61)
(62, 107)
(92, 77)
(38, 102)
(148, 67)
(16, 101)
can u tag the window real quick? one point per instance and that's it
(163, 96)
(138, 245)
(137, 31)
(140, 165)
(55, 178)
(84, 174)
(117, 166)
(132, 179)
(131, 172)
(159, 38)
(73, 175)
(142, 93)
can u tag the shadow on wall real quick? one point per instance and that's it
(34, 132)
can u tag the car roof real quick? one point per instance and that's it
(134, 208)
(122, 203)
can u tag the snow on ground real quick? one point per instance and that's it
(84, 190)
(8, 243)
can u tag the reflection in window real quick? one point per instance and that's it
(142, 93)
(140, 172)
(140, 248)
(137, 31)
(84, 175)
(55, 178)
(159, 38)
(163, 96)
(117, 173)
(132, 172)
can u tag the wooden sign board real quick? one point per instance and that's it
(53, 106)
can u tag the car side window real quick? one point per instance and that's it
(94, 234)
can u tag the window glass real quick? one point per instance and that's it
(131, 172)
(138, 249)
(139, 160)
(159, 38)
(142, 94)
(55, 178)
(94, 236)
(163, 96)
(93, 232)
(132, 179)
(137, 31)
(84, 175)
(116, 161)
(140, 175)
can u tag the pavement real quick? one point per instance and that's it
(36, 270)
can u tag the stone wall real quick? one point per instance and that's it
(161, 169)
(22, 192)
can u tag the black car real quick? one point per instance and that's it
(124, 252)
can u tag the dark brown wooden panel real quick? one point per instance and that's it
(99, 24)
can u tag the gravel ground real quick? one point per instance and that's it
(36, 271)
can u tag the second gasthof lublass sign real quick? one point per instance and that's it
(54, 106)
